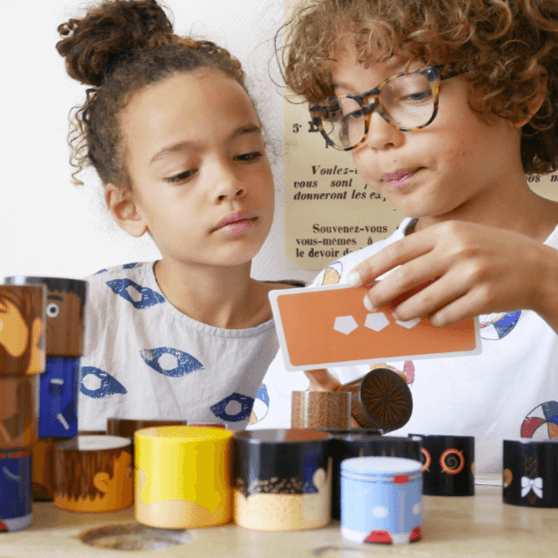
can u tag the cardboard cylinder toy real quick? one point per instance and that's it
(22, 329)
(65, 312)
(448, 464)
(43, 469)
(58, 396)
(364, 443)
(19, 411)
(93, 474)
(15, 489)
(381, 500)
(183, 476)
(321, 409)
(128, 427)
(381, 399)
(531, 473)
(282, 479)
(211, 424)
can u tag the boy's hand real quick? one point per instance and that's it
(473, 270)
(322, 380)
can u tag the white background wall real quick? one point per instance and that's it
(50, 227)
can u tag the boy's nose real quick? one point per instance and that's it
(381, 134)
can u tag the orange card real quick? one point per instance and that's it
(329, 326)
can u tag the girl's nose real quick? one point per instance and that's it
(238, 193)
(228, 186)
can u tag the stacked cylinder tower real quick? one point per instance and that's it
(41, 340)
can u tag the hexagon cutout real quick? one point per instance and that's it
(376, 321)
(345, 324)
(409, 323)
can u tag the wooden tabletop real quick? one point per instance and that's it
(474, 526)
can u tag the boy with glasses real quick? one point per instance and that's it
(445, 106)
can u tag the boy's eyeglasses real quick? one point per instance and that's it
(407, 101)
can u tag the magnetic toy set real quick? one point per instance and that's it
(186, 476)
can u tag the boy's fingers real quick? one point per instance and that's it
(405, 282)
(460, 309)
(391, 256)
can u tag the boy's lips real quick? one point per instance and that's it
(397, 175)
(398, 178)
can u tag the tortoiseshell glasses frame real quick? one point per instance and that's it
(331, 110)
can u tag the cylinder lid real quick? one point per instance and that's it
(381, 466)
(279, 436)
(181, 434)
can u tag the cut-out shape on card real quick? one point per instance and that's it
(316, 329)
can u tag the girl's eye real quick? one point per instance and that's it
(249, 156)
(182, 177)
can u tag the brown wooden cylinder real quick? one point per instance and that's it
(43, 468)
(93, 474)
(22, 329)
(321, 409)
(19, 411)
(65, 312)
(127, 427)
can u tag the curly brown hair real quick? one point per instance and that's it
(508, 48)
(118, 48)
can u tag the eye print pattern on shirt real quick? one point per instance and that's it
(130, 265)
(97, 383)
(140, 297)
(496, 326)
(234, 408)
(170, 362)
(261, 405)
(541, 423)
(332, 274)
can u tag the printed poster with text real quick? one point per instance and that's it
(329, 210)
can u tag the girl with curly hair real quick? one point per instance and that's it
(175, 138)
(445, 106)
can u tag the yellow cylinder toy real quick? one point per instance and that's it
(183, 476)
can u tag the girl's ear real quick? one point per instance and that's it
(124, 211)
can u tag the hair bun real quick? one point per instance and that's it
(109, 33)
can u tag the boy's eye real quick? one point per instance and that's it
(249, 156)
(417, 97)
(355, 115)
(183, 176)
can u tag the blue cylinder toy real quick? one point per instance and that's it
(58, 395)
(381, 499)
(15, 489)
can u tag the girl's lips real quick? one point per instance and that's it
(237, 223)
(238, 227)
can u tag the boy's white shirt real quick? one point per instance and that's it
(146, 359)
(508, 391)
